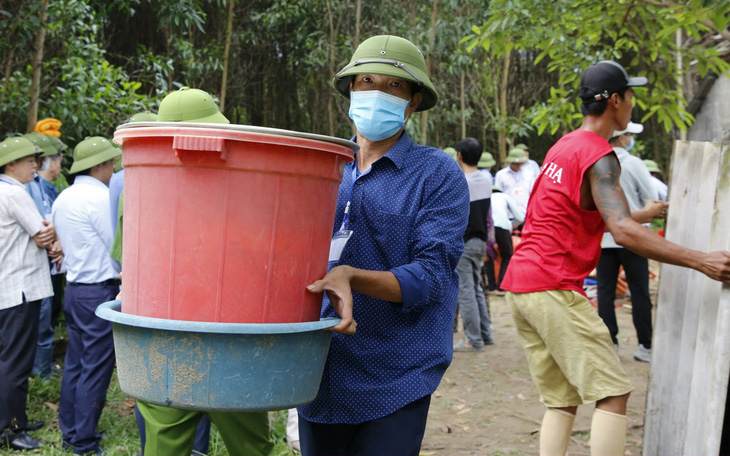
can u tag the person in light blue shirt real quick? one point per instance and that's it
(402, 211)
(81, 213)
(116, 184)
(40, 190)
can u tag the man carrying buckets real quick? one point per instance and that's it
(398, 234)
(170, 431)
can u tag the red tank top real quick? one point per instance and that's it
(561, 242)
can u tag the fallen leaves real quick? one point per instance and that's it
(51, 406)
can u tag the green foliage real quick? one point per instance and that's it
(81, 88)
(104, 61)
(571, 34)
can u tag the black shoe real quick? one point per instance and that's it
(19, 441)
(34, 426)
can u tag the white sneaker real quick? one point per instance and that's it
(642, 354)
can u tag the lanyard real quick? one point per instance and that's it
(346, 217)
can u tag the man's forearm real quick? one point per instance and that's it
(377, 284)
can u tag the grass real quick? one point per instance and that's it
(117, 421)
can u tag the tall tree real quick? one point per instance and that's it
(37, 65)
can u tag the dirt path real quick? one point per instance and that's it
(487, 404)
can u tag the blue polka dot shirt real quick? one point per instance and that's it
(408, 214)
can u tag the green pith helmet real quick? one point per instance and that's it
(652, 166)
(42, 142)
(516, 156)
(143, 117)
(522, 146)
(59, 145)
(486, 160)
(14, 148)
(91, 152)
(118, 161)
(388, 55)
(190, 105)
(451, 151)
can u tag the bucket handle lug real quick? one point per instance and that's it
(199, 143)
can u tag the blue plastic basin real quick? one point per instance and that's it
(218, 366)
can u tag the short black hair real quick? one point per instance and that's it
(590, 106)
(2, 169)
(471, 150)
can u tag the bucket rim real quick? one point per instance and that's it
(111, 311)
(239, 128)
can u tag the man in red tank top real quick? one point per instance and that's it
(574, 200)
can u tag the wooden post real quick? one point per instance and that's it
(691, 347)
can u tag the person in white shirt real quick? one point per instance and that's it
(506, 215)
(82, 218)
(515, 180)
(656, 174)
(530, 165)
(25, 279)
(636, 183)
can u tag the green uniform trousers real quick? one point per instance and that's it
(171, 432)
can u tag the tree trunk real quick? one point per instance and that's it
(432, 37)
(330, 99)
(680, 79)
(37, 64)
(463, 107)
(358, 12)
(503, 109)
(8, 68)
(227, 54)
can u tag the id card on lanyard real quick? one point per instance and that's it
(340, 238)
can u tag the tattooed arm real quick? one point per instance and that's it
(609, 199)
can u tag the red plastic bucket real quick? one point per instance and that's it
(227, 223)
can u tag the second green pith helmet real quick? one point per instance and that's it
(145, 116)
(516, 156)
(91, 152)
(42, 142)
(486, 160)
(652, 166)
(388, 55)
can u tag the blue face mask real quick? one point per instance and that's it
(377, 115)
(631, 144)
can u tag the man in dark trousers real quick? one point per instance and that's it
(398, 235)
(25, 279)
(81, 213)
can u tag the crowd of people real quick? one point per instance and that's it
(412, 229)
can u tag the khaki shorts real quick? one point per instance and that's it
(571, 355)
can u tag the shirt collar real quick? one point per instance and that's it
(88, 180)
(398, 153)
(10, 179)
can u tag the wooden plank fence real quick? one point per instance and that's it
(688, 381)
